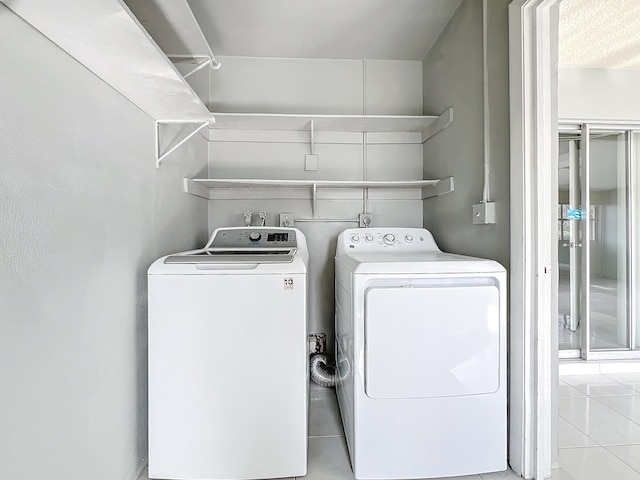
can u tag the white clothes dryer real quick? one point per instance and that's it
(421, 355)
(228, 363)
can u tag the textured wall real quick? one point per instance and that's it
(452, 73)
(83, 212)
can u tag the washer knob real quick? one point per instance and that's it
(369, 238)
(389, 239)
(408, 238)
(355, 238)
(254, 236)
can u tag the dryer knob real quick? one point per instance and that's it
(355, 238)
(254, 236)
(369, 238)
(389, 239)
(408, 238)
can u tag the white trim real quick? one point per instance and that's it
(533, 111)
(585, 260)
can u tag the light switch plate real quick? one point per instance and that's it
(311, 163)
(484, 213)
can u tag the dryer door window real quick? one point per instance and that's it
(432, 341)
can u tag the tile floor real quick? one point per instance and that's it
(600, 426)
(599, 430)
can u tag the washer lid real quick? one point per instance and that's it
(241, 250)
(226, 256)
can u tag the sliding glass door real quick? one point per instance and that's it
(597, 204)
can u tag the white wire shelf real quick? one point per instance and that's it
(427, 125)
(202, 187)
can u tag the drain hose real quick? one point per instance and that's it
(323, 374)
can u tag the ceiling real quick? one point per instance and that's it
(600, 33)
(340, 29)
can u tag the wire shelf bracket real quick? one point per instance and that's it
(443, 121)
(160, 156)
(206, 60)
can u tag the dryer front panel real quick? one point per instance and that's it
(432, 340)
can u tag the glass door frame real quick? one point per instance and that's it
(630, 131)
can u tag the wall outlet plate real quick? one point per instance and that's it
(286, 220)
(484, 213)
(365, 219)
(311, 163)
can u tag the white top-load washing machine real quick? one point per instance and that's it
(228, 363)
(421, 355)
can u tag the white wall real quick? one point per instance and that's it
(332, 87)
(83, 212)
(323, 87)
(598, 94)
(452, 74)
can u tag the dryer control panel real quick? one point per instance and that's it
(387, 239)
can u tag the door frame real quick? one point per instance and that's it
(533, 61)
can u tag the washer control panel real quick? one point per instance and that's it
(251, 237)
(387, 239)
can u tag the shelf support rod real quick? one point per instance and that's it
(211, 60)
(160, 158)
(198, 68)
(314, 198)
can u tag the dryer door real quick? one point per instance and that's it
(432, 341)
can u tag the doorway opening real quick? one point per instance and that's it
(597, 245)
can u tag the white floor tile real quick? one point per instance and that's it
(595, 463)
(595, 379)
(634, 385)
(626, 405)
(506, 475)
(570, 436)
(556, 474)
(567, 390)
(629, 379)
(600, 390)
(599, 422)
(629, 454)
(626, 378)
(328, 459)
(561, 474)
(466, 477)
(591, 383)
(324, 415)
(144, 475)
